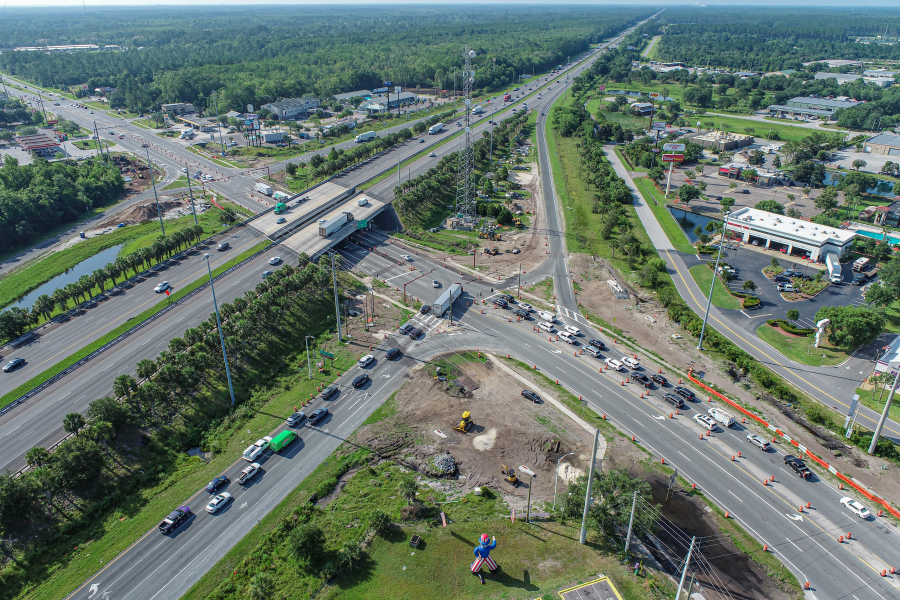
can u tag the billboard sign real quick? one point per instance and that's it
(654, 94)
(673, 157)
(673, 147)
(388, 83)
(397, 89)
(659, 126)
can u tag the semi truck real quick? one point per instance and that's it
(262, 188)
(507, 97)
(281, 196)
(446, 300)
(436, 128)
(280, 208)
(329, 226)
(365, 137)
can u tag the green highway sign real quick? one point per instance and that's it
(326, 354)
(362, 223)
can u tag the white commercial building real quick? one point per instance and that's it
(292, 108)
(794, 237)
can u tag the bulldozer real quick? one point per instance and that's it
(465, 424)
(517, 223)
(509, 475)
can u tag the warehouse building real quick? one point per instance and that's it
(793, 237)
(292, 108)
(887, 144)
(721, 140)
(178, 108)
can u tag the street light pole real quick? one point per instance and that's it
(308, 364)
(191, 194)
(219, 324)
(686, 563)
(556, 478)
(153, 181)
(337, 310)
(587, 495)
(884, 414)
(218, 123)
(630, 522)
(712, 285)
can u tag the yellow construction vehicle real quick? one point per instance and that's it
(509, 475)
(517, 223)
(466, 423)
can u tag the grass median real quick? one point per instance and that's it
(70, 360)
(721, 296)
(665, 219)
(799, 349)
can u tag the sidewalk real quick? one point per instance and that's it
(811, 380)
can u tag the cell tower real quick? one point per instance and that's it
(465, 178)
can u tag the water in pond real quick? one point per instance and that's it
(85, 267)
(884, 188)
(689, 221)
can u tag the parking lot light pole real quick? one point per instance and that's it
(713, 284)
(219, 326)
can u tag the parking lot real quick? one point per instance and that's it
(749, 264)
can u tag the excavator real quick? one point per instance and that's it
(509, 475)
(465, 424)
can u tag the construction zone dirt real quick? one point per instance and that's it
(507, 430)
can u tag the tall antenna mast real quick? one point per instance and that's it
(465, 181)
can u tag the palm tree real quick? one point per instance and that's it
(37, 456)
(73, 422)
(60, 299)
(43, 306)
(408, 488)
(145, 368)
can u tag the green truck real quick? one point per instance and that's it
(280, 208)
(282, 440)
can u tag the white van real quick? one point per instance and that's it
(547, 316)
(545, 326)
(722, 418)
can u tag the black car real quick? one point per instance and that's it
(659, 379)
(597, 344)
(522, 313)
(359, 381)
(782, 279)
(686, 394)
(13, 365)
(415, 333)
(745, 191)
(216, 483)
(223, 246)
(425, 308)
(500, 302)
(508, 297)
(674, 400)
(329, 392)
(405, 329)
(641, 379)
(529, 395)
(788, 273)
(296, 418)
(858, 279)
(392, 353)
(317, 415)
(175, 519)
(797, 465)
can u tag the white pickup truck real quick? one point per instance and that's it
(256, 450)
(248, 473)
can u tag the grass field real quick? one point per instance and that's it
(797, 348)
(721, 297)
(181, 182)
(761, 131)
(673, 230)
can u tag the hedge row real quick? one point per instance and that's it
(788, 327)
(751, 301)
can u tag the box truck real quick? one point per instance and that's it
(365, 137)
(281, 196)
(450, 295)
(262, 188)
(436, 128)
(329, 226)
(477, 110)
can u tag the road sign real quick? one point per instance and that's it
(602, 87)
(659, 126)
(326, 354)
(673, 157)
(388, 83)
(673, 147)
(397, 89)
(362, 223)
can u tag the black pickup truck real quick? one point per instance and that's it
(797, 465)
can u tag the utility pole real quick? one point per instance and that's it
(587, 496)
(218, 123)
(337, 310)
(153, 181)
(691, 584)
(884, 414)
(219, 324)
(556, 478)
(630, 523)
(190, 191)
(712, 285)
(519, 294)
(683, 573)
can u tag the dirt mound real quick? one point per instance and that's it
(145, 211)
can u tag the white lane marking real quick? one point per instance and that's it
(685, 457)
(735, 495)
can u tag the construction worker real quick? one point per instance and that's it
(483, 555)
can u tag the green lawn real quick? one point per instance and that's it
(721, 297)
(92, 144)
(668, 223)
(875, 400)
(181, 182)
(798, 348)
(757, 129)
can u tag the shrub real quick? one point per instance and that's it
(751, 302)
(785, 325)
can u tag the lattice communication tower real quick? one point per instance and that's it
(465, 177)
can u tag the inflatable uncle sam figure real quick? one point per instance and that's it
(483, 555)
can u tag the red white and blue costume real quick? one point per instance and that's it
(483, 555)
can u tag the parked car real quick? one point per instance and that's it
(785, 287)
(758, 441)
(216, 483)
(529, 395)
(781, 279)
(360, 380)
(856, 508)
(318, 414)
(218, 503)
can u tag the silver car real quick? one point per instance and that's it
(162, 287)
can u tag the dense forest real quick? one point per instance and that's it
(267, 53)
(774, 39)
(38, 197)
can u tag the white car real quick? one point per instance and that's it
(759, 442)
(406, 257)
(567, 337)
(435, 283)
(432, 154)
(856, 508)
(274, 260)
(184, 169)
(161, 287)
(255, 451)
(705, 422)
(615, 365)
(526, 307)
(573, 330)
(218, 502)
(632, 363)
(365, 360)
(545, 326)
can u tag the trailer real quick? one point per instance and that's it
(860, 264)
(329, 226)
(477, 110)
(446, 300)
(262, 188)
(281, 196)
(436, 128)
(365, 137)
